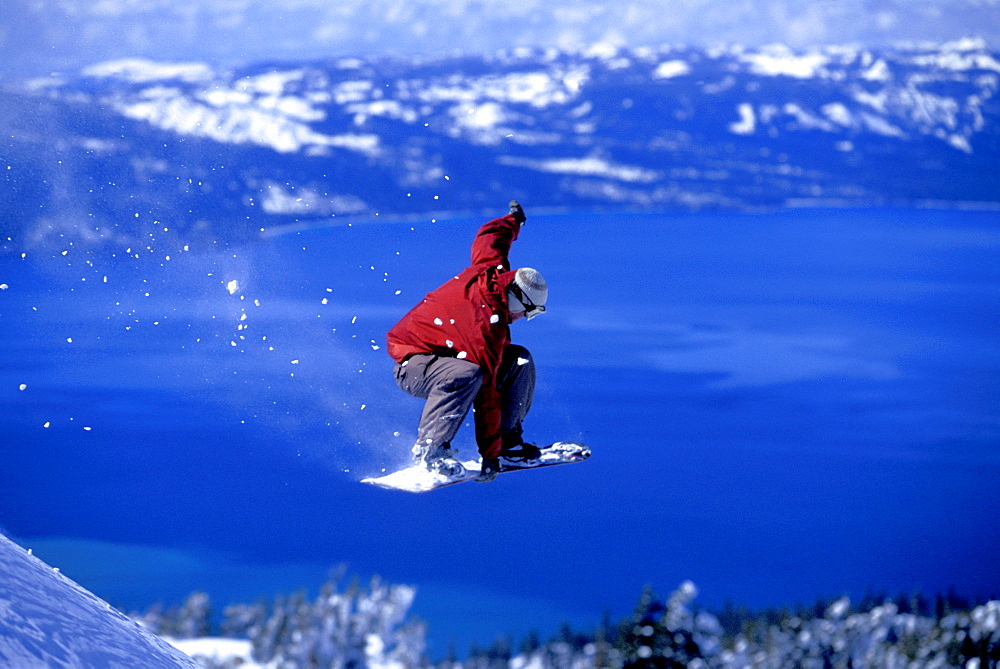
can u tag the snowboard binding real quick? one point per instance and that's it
(439, 459)
(523, 452)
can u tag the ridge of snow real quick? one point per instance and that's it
(141, 70)
(269, 122)
(590, 166)
(781, 61)
(277, 200)
(671, 68)
(48, 621)
(540, 89)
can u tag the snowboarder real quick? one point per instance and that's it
(453, 350)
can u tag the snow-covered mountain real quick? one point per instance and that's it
(231, 152)
(41, 37)
(48, 621)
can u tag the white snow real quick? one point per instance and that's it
(416, 478)
(960, 143)
(539, 89)
(49, 622)
(781, 61)
(235, 652)
(485, 116)
(838, 113)
(748, 121)
(271, 83)
(805, 119)
(877, 72)
(589, 166)
(959, 60)
(880, 126)
(276, 199)
(140, 70)
(670, 69)
(280, 123)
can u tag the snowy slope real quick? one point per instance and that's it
(47, 620)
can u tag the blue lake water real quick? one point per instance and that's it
(781, 406)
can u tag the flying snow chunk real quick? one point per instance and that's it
(4, 286)
(23, 386)
(233, 286)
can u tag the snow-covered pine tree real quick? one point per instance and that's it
(193, 617)
(660, 636)
(243, 621)
(358, 627)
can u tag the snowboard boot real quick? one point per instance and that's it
(523, 452)
(438, 458)
(513, 448)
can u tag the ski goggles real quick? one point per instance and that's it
(530, 308)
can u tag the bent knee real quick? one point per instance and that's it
(517, 349)
(516, 355)
(464, 375)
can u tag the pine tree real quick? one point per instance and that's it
(193, 617)
(660, 636)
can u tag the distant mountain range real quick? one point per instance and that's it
(228, 153)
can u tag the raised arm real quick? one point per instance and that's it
(492, 243)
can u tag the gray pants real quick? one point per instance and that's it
(450, 386)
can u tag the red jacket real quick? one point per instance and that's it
(468, 318)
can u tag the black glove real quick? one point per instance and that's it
(489, 470)
(517, 212)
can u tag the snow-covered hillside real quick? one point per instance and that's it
(47, 622)
(229, 152)
(56, 34)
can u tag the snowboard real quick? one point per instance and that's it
(419, 479)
